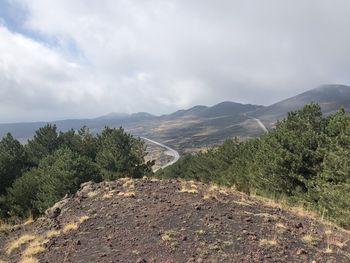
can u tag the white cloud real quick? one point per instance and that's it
(157, 56)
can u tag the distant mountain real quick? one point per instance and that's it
(25, 130)
(199, 126)
(124, 116)
(330, 98)
(194, 111)
(228, 108)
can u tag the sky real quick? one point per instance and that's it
(86, 58)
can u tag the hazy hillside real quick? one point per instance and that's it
(199, 126)
(23, 131)
(330, 97)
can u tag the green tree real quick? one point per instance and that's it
(22, 196)
(120, 154)
(89, 146)
(63, 173)
(12, 161)
(44, 143)
(332, 188)
(295, 150)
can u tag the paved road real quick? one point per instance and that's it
(261, 125)
(170, 151)
(258, 121)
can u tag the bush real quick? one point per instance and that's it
(22, 196)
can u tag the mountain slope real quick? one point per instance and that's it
(330, 98)
(150, 220)
(23, 131)
(228, 108)
(200, 126)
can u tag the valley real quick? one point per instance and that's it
(200, 127)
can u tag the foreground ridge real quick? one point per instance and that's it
(151, 220)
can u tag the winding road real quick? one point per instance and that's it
(258, 121)
(261, 124)
(170, 152)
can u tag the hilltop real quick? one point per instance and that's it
(329, 97)
(151, 220)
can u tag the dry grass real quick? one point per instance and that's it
(127, 194)
(53, 233)
(82, 219)
(264, 215)
(29, 220)
(129, 183)
(242, 203)
(4, 227)
(211, 193)
(340, 244)
(268, 242)
(3, 261)
(188, 187)
(168, 235)
(92, 194)
(70, 227)
(281, 226)
(29, 260)
(328, 249)
(215, 191)
(108, 195)
(200, 231)
(297, 210)
(35, 247)
(188, 190)
(15, 244)
(308, 238)
(129, 188)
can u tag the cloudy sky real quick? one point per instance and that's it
(84, 58)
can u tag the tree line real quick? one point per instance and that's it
(305, 160)
(36, 175)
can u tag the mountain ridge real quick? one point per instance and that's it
(199, 126)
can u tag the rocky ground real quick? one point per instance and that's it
(171, 221)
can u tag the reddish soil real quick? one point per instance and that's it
(171, 221)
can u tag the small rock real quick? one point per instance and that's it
(248, 219)
(299, 225)
(301, 251)
(141, 260)
(56, 209)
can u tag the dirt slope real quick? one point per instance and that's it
(171, 221)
